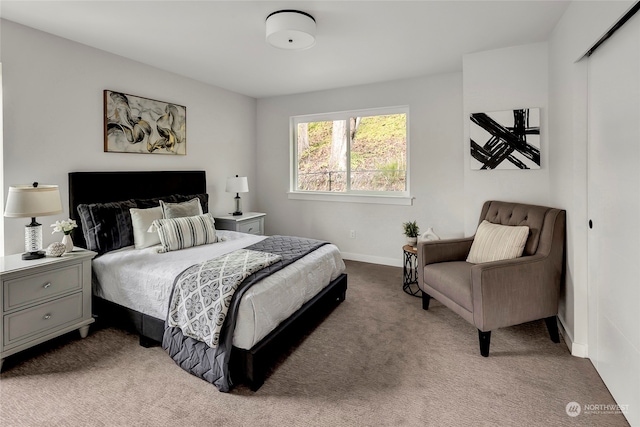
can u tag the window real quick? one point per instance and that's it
(353, 152)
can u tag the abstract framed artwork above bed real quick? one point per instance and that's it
(255, 345)
(133, 124)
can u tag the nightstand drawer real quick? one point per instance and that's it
(248, 222)
(42, 318)
(37, 287)
(251, 227)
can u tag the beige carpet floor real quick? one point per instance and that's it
(377, 360)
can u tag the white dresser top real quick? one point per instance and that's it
(11, 263)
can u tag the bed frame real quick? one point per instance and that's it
(247, 366)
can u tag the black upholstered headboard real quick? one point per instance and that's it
(97, 187)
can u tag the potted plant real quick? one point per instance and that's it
(411, 230)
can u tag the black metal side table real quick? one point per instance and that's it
(410, 271)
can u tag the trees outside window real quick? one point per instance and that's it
(352, 152)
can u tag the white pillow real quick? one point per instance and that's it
(185, 232)
(495, 242)
(142, 220)
(179, 210)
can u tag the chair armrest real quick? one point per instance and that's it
(434, 251)
(514, 291)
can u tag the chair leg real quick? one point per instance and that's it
(485, 340)
(552, 327)
(426, 298)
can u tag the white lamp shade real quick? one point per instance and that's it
(237, 184)
(29, 201)
(291, 29)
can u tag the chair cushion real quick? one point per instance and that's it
(452, 279)
(494, 242)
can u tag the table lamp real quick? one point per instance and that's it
(24, 201)
(237, 184)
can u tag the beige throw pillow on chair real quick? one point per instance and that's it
(495, 242)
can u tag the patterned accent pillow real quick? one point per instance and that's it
(107, 226)
(185, 232)
(179, 210)
(495, 242)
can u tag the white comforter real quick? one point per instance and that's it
(142, 279)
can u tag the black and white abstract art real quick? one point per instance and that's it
(505, 139)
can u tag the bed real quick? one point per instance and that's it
(256, 347)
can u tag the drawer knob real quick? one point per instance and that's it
(47, 316)
(47, 285)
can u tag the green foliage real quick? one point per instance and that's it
(320, 134)
(378, 155)
(357, 160)
(393, 170)
(411, 229)
(378, 129)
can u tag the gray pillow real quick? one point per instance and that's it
(181, 210)
(204, 200)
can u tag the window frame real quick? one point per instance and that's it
(357, 196)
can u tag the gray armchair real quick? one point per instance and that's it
(497, 294)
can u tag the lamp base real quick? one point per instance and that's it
(33, 255)
(238, 202)
(33, 241)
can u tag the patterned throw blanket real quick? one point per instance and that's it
(211, 363)
(203, 292)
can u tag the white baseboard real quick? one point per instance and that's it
(578, 350)
(393, 262)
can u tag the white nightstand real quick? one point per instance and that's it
(44, 298)
(248, 222)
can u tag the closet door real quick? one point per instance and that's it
(614, 212)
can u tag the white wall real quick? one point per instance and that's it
(53, 121)
(579, 28)
(435, 167)
(1, 162)
(499, 80)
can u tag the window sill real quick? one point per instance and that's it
(352, 198)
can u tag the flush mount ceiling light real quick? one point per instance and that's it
(291, 29)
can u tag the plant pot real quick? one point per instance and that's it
(412, 241)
